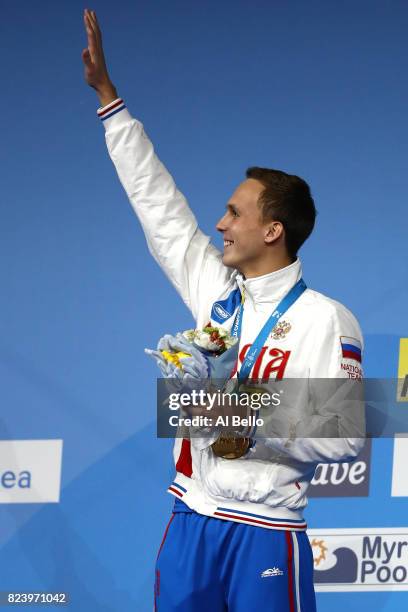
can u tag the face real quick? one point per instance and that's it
(246, 238)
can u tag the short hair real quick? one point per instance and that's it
(286, 198)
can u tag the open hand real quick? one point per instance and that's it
(96, 72)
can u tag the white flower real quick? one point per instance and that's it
(189, 334)
(230, 342)
(202, 338)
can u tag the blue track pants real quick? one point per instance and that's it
(207, 564)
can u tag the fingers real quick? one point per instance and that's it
(92, 44)
(89, 27)
(91, 15)
(90, 22)
(94, 20)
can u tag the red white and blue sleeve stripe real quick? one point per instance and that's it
(111, 109)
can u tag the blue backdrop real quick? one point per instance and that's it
(318, 89)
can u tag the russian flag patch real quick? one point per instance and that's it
(350, 348)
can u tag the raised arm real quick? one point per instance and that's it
(185, 254)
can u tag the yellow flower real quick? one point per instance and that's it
(175, 357)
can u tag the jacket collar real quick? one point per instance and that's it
(272, 287)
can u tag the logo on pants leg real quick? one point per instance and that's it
(274, 571)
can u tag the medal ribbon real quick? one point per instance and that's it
(254, 350)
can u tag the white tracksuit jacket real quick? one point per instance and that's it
(267, 486)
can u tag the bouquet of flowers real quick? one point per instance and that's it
(196, 354)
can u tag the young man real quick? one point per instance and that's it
(236, 540)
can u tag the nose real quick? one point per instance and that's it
(222, 224)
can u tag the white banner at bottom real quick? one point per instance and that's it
(373, 559)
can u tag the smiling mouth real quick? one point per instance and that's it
(228, 243)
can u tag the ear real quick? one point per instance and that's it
(273, 232)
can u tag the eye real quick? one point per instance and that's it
(234, 212)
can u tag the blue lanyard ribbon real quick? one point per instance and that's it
(254, 350)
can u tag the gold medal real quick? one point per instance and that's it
(230, 448)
